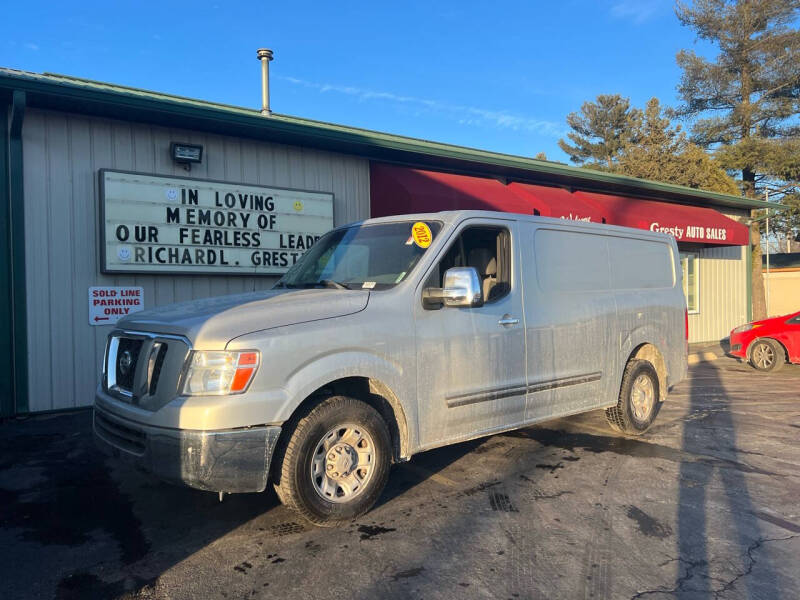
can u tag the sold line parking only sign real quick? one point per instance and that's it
(107, 305)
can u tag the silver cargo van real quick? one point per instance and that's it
(390, 337)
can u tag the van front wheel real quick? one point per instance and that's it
(639, 399)
(336, 462)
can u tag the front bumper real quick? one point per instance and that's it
(233, 460)
(738, 346)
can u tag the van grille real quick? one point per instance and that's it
(155, 362)
(127, 358)
(144, 369)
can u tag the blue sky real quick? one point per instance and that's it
(494, 75)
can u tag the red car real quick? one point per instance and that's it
(770, 343)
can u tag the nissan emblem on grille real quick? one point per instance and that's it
(125, 362)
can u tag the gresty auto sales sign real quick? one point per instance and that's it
(686, 223)
(692, 233)
(153, 223)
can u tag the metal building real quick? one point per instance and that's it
(83, 161)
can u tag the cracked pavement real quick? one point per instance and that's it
(703, 506)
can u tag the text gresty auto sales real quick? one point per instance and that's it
(155, 223)
(692, 232)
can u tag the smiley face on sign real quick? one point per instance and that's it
(421, 234)
(298, 206)
(124, 253)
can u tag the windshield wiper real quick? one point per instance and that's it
(326, 283)
(330, 283)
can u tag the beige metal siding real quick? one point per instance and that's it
(62, 154)
(784, 292)
(722, 293)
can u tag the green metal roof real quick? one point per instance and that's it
(72, 94)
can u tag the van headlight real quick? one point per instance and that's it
(218, 373)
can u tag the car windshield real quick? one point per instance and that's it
(376, 256)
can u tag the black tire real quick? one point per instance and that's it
(622, 417)
(294, 483)
(766, 355)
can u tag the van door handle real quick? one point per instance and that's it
(508, 320)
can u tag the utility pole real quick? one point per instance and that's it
(766, 198)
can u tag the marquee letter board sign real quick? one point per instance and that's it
(155, 224)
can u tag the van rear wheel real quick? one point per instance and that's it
(336, 462)
(639, 399)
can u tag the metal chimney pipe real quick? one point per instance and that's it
(265, 55)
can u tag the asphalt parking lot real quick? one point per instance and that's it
(704, 506)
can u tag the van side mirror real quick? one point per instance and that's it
(462, 288)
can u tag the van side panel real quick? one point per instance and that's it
(570, 318)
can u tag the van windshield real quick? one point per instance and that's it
(363, 257)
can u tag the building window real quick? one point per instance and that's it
(689, 266)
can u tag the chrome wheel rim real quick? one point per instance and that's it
(763, 356)
(643, 397)
(342, 463)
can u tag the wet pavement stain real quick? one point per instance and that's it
(27, 445)
(599, 444)
(85, 586)
(369, 532)
(313, 547)
(479, 488)
(406, 574)
(243, 567)
(540, 495)
(551, 468)
(78, 498)
(648, 525)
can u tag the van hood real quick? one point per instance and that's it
(210, 323)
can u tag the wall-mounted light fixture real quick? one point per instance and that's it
(186, 154)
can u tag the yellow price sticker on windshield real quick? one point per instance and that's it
(421, 234)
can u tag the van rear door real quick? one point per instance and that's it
(651, 307)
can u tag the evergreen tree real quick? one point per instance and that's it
(748, 97)
(697, 169)
(663, 153)
(600, 131)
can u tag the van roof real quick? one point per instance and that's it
(453, 217)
